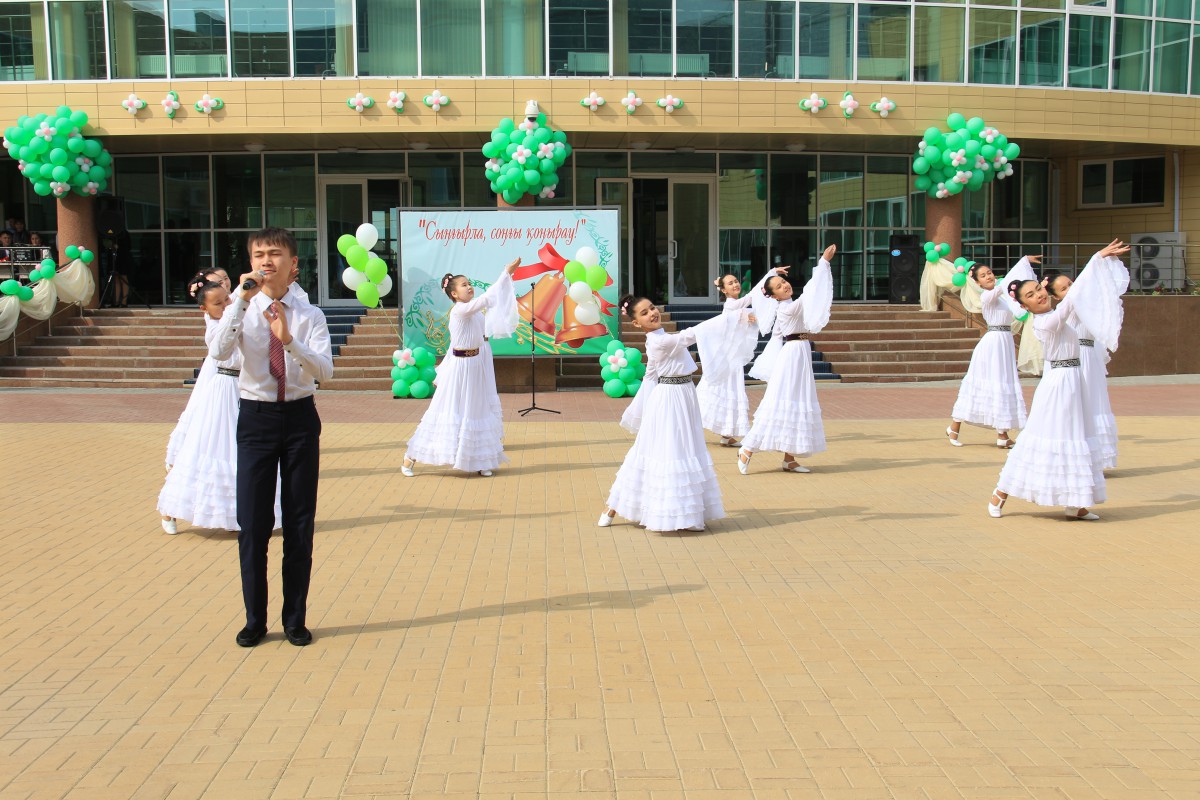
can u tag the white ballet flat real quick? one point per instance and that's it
(406, 468)
(487, 473)
(729, 441)
(1073, 513)
(794, 466)
(697, 528)
(169, 526)
(605, 520)
(952, 435)
(996, 510)
(744, 466)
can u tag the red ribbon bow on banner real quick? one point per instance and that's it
(551, 261)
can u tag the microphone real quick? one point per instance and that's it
(250, 283)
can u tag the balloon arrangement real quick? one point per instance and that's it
(43, 272)
(413, 373)
(524, 159)
(961, 267)
(622, 370)
(966, 157)
(585, 277)
(936, 252)
(56, 157)
(367, 274)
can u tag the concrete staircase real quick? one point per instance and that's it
(364, 362)
(894, 343)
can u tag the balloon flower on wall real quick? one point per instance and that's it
(396, 101)
(54, 155)
(413, 373)
(360, 102)
(592, 102)
(170, 104)
(436, 100)
(670, 103)
(848, 105)
(963, 158)
(208, 104)
(814, 103)
(367, 274)
(883, 107)
(524, 159)
(622, 370)
(133, 104)
(631, 102)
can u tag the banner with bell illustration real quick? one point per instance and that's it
(567, 283)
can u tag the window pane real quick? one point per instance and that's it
(704, 38)
(696, 163)
(1196, 60)
(992, 56)
(237, 189)
(137, 181)
(1035, 188)
(435, 180)
(387, 37)
(197, 38)
(1006, 200)
(883, 43)
(1141, 8)
(579, 37)
(938, 53)
(291, 191)
(592, 165)
(231, 253)
(742, 191)
(259, 38)
(138, 34)
(145, 264)
(1175, 9)
(1171, 57)
(515, 35)
(744, 253)
(798, 249)
(848, 277)
(77, 41)
(185, 190)
(766, 38)
(1041, 49)
(1139, 181)
(840, 196)
(1093, 184)
(324, 37)
(187, 254)
(826, 31)
(451, 37)
(793, 190)
(1087, 54)
(366, 163)
(1131, 56)
(648, 33)
(24, 26)
(975, 211)
(887, 192)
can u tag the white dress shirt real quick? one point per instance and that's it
(308, 357)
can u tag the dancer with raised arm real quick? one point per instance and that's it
(990, 393)
(1058, 460)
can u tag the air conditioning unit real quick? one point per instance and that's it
(1157, 261)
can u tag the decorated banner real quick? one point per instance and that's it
(567, 284)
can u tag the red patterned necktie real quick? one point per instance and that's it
(278, 367)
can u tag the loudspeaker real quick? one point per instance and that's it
(110, 215)
(905, 257)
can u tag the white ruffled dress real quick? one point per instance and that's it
(1095, 394)
(1058, 459)
(463, 427)
(667, 481)
(789, 417)
(990, 393)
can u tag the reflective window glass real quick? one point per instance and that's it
(743, 253)
(704, 38)
(1035, 194)
(938, 51)
(578, 37)
(23, 25)
(1171, 56)
(324, 37)
(1139, 181)
(766, 39)
(451, 37)
(648, 28)
(515, 37)
(1131, 55)
(1196, 59)
(1041, 49)
(793, 190)
(77, 48)
(137, 34)
(185, 191)
(1174, 9)
(742, 191)
(291, 186)
(137, 181)
(592, 165)
(387, 37)
(824, 41)
(887, 192)
(992, 43)
(197, 38)
(1141, 8)
(436, 180)
(698, 163)
(237, 190)
(188, 252)
(883, 42)
(1087, 52)
(1093, 184)
(258, 31)
(840, 194)
(1006, 200)
(144, 260)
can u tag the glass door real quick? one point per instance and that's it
(619, 192)
(345, 203)
(692, 241)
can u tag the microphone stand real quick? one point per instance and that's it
(532, 365)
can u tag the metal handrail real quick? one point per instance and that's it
(1150, 267)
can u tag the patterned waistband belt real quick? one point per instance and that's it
(796, 337)
(1066, 362)
(1087, 342)
(675, 379)
(1005, 328)
(233, 373)
(465, 353)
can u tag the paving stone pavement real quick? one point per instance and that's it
(865, 631)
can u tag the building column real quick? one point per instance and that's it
(526, 200)
(943, 221)
(77, 226)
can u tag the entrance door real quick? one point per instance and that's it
(345, 203)
(692, 245)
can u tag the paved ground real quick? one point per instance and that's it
(866, 631)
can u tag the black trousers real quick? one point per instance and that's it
(283, 439)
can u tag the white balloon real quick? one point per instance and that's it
(352, 278)
(367, 235)
(580, 292)
(588, 257)
(588, 315)
(385, 285)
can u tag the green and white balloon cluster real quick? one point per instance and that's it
(56, 157)
(936, 252)
(367, 276)
(413, 372)
(622, 370)
(524, 159)
(962, 266)
(963, 158)
(45, 271)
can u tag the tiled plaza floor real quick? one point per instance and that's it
(865, 631)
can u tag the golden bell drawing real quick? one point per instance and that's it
(548, 293)
(574, 332)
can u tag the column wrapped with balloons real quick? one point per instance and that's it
(54, 155)
(366, 274)
(524, 159)
(964, 158)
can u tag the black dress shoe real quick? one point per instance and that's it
(249, 638)
(298, 635)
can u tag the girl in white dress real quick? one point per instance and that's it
(463, 427)
(789, 417)
(1057, 461)
(990, 393)
(724, 408)
(1094, 373)
(667, 481)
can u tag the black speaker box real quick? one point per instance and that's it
(110, 215)
(905, 258)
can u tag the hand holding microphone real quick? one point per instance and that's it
(251, 282)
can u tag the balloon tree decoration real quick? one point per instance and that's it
(524, 159)
(56, 157)
(367, 274)
(622, 370)
(413, 372)
(963, 158)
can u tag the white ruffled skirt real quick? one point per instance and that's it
(208, 370)
(1052, 463)
(463, 427)
(789, 417)
(990, 394)
(667, 481)
(1095, 400)
(724, 408)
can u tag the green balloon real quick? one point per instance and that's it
(614, 388)
(376, 269)
(400, 389)
(613, 347)
(9, 287)
(943, 249)
(58, 156)
(92, 148)
(922, 183)
(87, 256)
(357, 257)
(931, 256)
(48, 272)
(596, 277)
(607, 374)
(420, 390)
(396, 371)
(959, 279)
(933, 155)
(35, 275)
(533, 177)
(76, 145)
(428, 374)
(575, 272)
(1012, 150)
(97, 173)
(973, 148)
(627, 374)
(932, 136)
(47, 263)
(423, 357)
(25, 294)
(409, 374)
(633, 356)
(345, 242)
(61, 174)
(632, 388)
(975, 125)
(506, 125)
(367, 294)
(42, 188)
(641, 368)
(512, 196)
(920, 165)
(956, 121)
